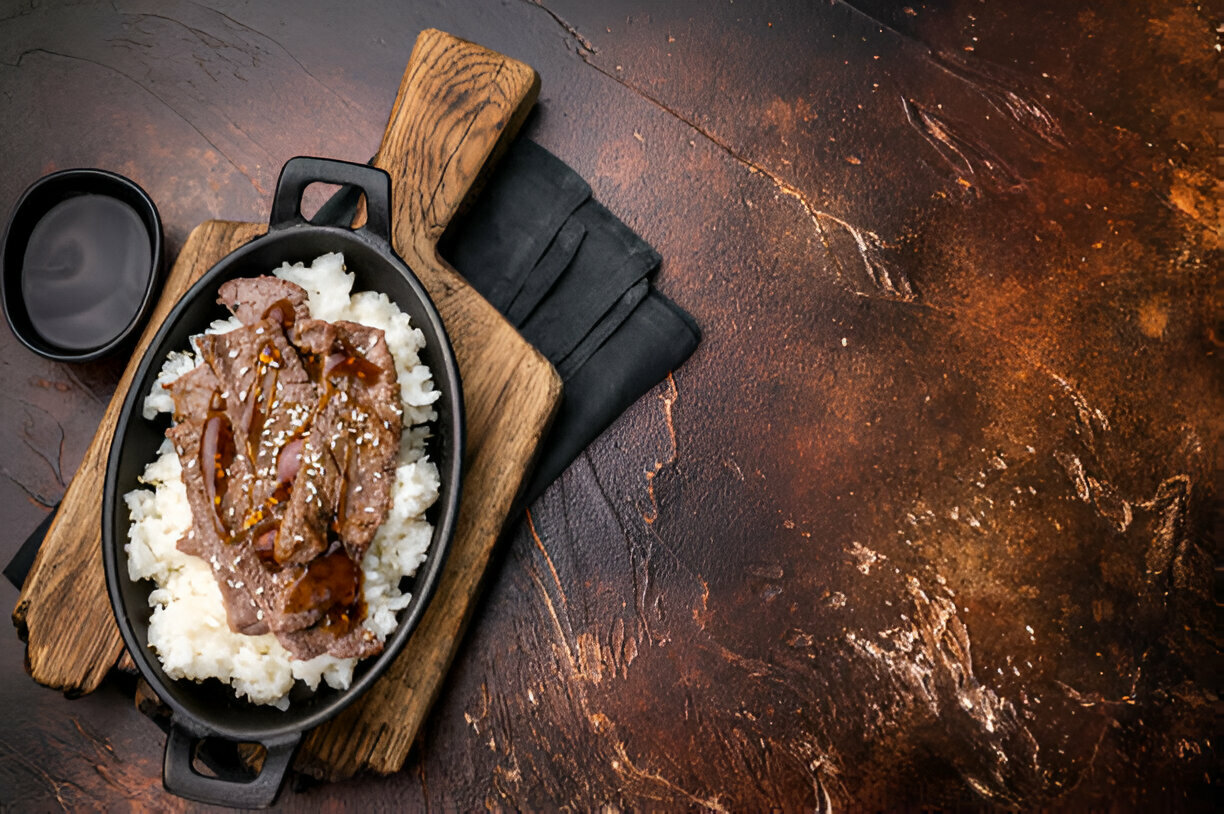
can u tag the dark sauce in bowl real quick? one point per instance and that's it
(86, 270)
(80, 264)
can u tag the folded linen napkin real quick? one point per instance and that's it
(582, 297)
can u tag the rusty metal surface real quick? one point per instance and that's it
(931, 517)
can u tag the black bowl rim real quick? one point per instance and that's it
(427, 578)
(95, 175)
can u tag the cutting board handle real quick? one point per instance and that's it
(456, 103)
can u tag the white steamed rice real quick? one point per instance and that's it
(188, 630)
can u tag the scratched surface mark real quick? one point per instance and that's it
(932, 515)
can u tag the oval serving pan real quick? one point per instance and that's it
(210, 709)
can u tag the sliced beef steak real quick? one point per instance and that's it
(356, 433)
(288, 434)
(254, 298)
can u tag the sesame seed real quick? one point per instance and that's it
(233, 354)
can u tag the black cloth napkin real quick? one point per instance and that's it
(525, 202)
(575, 281)
(571, 277)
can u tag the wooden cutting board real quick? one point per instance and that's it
(457, 107)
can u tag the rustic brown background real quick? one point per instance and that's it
(931, 517)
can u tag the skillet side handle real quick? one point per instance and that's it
(302, 171)
(180, 777)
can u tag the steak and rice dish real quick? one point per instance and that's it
(288, 501)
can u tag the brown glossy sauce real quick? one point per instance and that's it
(86, 270)
(263, 395)
(341, 364)
(352, 366)
(332, 583)
(281, 311)
(216, 455)
(340, 619)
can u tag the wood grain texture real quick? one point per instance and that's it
(456, 103)
(63, 613)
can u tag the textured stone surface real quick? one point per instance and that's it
(931, 516)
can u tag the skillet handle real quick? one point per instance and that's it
(180, 777)
(302, 171)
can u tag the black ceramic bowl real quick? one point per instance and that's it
(210, 709)
(35, 203)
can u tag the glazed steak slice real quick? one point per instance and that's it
(342, 493)
(305, 530)
(202, 452)
(374, 407)
(268, 398)
(353, 445)
(252, 298)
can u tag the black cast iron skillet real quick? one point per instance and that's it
(210, 709)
